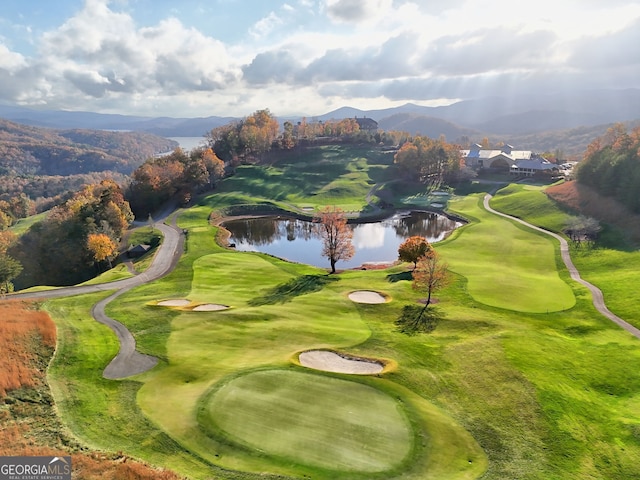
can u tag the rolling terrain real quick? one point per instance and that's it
(506, 386)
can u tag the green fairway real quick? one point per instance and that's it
(329, 175)
(506, 265)
(612, 265)
(521, 379)
(311, 419)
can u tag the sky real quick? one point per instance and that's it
(192, 58)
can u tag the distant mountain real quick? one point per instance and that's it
(538, 121)
(414, 123)
(29, 150)
(162, 126)
(571, 142)
(522, 113)
(518, 114)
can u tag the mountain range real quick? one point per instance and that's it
(503, 117)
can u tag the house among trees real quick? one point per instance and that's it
(516, 162)
(368, 125)
(138, 251)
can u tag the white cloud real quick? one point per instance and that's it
(314, 55)
(357, 11)
(266, 25)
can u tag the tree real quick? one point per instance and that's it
(429, 161)
(10, 268)
(430, 275)
(214, 166)
(101, 247)
(412, 249)
(7, 238)
(582, 228)
(336, 235)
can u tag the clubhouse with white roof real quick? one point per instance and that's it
(517, 162)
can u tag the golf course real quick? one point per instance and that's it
(521, 379)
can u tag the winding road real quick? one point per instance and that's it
(596, 293)
(128, 361)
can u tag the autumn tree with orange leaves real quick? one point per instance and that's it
(611, 165)
(430, 275)
(336, 235)
(101, 247)
(412, 249)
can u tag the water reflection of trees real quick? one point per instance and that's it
(424, 224)
(267, 230)
(264, 231)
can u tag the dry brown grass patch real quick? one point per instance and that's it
(587, 201)
(28, 422)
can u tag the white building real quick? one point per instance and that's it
(516, 162)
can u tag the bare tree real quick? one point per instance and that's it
(336, 235)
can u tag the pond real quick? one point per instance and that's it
(376, 242)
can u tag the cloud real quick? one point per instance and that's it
(271, 67)
(389, 60)
(318, 54)
(487, 50)
(618, 49)
(266, 25)
(98, 53)
(356, 11)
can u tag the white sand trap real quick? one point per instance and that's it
(366, 296)
(332, 362)
(439, 194)
(437, 205)
(174, 303)
(209, 307)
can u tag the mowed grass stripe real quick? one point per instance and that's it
(506, 266)
(311, 419)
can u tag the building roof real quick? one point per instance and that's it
(538, 163)
(513, 155)
(367, 123)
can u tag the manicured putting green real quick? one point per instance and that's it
(311, 419)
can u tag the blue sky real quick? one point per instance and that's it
(231, 57)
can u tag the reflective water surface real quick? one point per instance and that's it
(297, 240)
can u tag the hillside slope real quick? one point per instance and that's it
(27, 150)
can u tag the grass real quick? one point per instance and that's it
(331, 175)
(330, 423)
(610, 264)
(506, 265)
(24, 224)
(500, 389)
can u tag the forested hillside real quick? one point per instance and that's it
(611, 166)
(26, 150)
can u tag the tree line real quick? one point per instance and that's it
(611, 165)
(65, 248)
(82, 233)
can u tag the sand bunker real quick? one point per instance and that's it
(332, 362)
(174, 303)
(209, 307)
(366, 296)
(437, 205)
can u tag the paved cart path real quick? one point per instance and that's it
(128, 361)
(598, 299)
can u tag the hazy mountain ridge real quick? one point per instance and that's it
(504, 115)
(538, 122)
(432, 127)
(29, 150)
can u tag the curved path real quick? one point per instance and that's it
(128, 361)
(598, 298)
